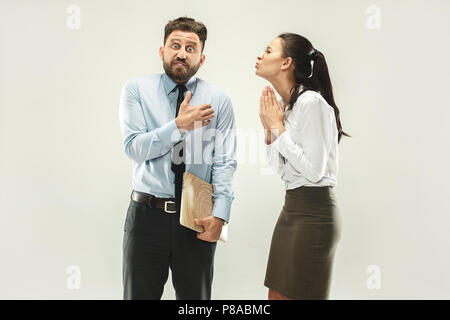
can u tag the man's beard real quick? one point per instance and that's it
(178, 74)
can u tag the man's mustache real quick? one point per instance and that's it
(182, 61)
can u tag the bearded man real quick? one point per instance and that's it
(160, 114)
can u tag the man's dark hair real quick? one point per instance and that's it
(186, 24)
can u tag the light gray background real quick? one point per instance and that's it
(65, 179)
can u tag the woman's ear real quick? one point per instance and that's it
(287, 63)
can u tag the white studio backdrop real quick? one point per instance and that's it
(66, 181)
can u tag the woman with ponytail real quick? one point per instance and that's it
(303, 130)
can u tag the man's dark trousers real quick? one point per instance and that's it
(153, 242)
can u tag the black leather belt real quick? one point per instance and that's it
(167, 204)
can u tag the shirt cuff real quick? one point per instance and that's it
(222, 209)
(276, 144)
(169, 133)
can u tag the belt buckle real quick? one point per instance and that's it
(165, 207)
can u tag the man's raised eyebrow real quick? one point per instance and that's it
(189, 42)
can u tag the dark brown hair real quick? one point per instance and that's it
(186, 24)
(315, 78)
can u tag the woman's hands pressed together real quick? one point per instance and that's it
(271, 114)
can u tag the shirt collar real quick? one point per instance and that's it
(169, 84)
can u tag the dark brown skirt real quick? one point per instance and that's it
(304, 243)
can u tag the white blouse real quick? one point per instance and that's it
(306, 154)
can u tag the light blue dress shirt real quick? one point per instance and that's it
(147, 121)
